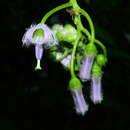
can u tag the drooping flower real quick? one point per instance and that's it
(86, 65)
(75, 86)
(85, 69)
(39, 35)
(96, 94)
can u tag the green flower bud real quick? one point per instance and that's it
(68, 34)
(75, 83)
(90, 49)
(57, 27)
(101, 59)
(71, 33)
(60, 36)
(96, 70)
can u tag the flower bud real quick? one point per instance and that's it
(57, 27)
(67, 34)
(101, 59)
(75, 83)
(96, 70)
(90, 49)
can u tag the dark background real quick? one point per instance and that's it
(40, 100)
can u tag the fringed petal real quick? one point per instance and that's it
(48, 35)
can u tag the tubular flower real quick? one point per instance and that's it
(86, 65)
(96, 90)
(96, 87)
(39, 35)
(38, 54)
(76, 90)
(85, 69)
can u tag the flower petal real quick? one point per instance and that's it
(48, 36)
(38, 51)
(85, 69)
(96, 90)
(80, 104)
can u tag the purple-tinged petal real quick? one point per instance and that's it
(85, 69)
(38, 54)
(66, 61)
(80, 104)
(48, 35)
(27, 37)
(38, 51)
(96, 90)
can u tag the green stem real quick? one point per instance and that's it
(72, 70)
(102, 46)
(83, 12)
(47, 15)
(63, 56)
(78, 21)
(78, 61)
(75, 5)
(82, 28)
(86, 32)
(95, 40)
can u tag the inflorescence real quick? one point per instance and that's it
(81, 57)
